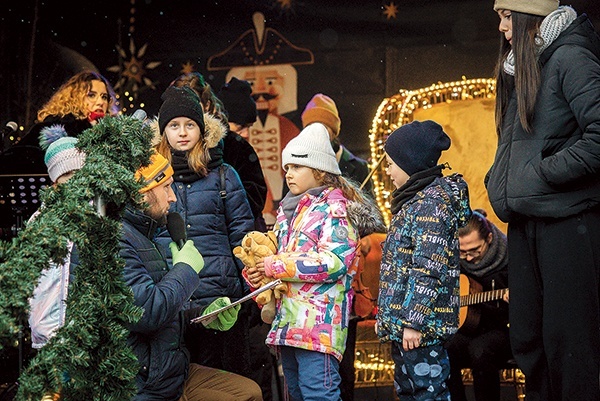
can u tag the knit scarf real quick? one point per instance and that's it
(183, 171)
(290, 201)
(552, 26)
(181, 168)
(415, 183)
(495, 258)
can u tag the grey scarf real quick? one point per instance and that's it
(552, 26)
(494, 259)
(290, 201)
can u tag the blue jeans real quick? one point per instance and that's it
(421, 373)
(310, 375)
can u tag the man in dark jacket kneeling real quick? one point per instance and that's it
(157, 338)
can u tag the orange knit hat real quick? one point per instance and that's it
(157, 172)
(322, 109)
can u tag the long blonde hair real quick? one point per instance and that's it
(69, 98)
(198, 157)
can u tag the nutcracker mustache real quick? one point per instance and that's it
(264, 95)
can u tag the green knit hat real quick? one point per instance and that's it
(61, 154)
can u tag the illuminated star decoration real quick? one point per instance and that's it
(132, 71)
(390, 10)
(285, 4)
(187, 68)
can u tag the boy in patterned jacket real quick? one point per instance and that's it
(419, 276)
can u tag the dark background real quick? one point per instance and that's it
(361, 56)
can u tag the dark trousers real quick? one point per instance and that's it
(484, 353)
(228, 350)
(554, 307)
(261, 359)
(347, 364)
(420, 374)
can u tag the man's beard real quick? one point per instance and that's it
(159, 216)
(162, 220)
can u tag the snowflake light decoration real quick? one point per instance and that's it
(285, 4)
(390, 10)
(187, 68)
(132, 71)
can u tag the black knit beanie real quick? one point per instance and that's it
(236, 96)
(180, 102)
(417, 146)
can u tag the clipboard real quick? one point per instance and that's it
(209, 317)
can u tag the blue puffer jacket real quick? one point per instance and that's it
(157, 338)
(216, 226)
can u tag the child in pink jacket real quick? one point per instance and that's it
(317, 247)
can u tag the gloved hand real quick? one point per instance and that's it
(188, 254)
(224, 320)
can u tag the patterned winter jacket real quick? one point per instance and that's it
(315, 258)
(419, 276)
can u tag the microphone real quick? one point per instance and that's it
(176, 228)
(9, 128)
(95, 116)
(141, 115)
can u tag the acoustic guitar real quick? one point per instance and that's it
(470, 294)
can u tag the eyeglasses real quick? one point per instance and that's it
(473, 253)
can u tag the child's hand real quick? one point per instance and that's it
(256, 274)
(411, 339)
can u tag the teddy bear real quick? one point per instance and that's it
(255, 246)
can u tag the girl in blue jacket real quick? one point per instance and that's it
(217, 215)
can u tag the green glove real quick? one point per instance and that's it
(224, 320)
(188, 254)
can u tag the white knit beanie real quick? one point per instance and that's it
(62, 156)
(311, 148)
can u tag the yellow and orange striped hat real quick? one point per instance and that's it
(157, 172)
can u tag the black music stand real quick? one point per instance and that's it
(19, 199)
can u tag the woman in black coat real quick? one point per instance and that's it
(545, 182)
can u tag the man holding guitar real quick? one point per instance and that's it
(482, 342)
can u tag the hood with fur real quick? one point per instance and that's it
(366, 217)
(214, 130)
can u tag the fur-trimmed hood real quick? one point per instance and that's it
(214, 130)
(366, 217)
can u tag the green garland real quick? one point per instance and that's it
(88, 358)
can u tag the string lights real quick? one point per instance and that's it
(395, 111)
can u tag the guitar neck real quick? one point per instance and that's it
(480, 297)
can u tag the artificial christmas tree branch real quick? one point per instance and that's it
(88, 358)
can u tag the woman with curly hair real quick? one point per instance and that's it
(76, 105)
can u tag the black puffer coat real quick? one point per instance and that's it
(554, 171)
